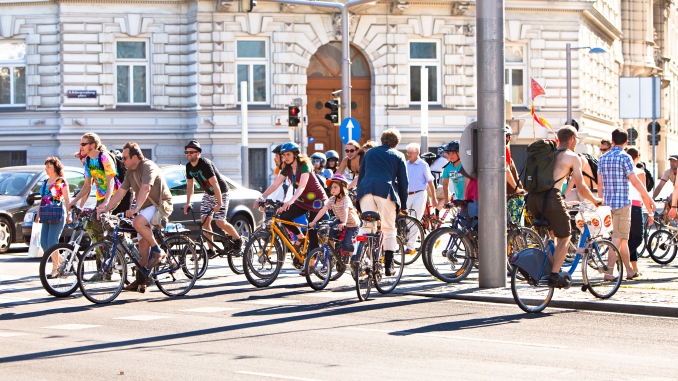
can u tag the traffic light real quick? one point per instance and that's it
(247, 5)
(333, 116)
(293, 116)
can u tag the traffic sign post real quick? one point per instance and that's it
(349, 130)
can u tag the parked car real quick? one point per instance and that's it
(18, 189)
(239, 213)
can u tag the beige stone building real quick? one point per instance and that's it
(161, 72)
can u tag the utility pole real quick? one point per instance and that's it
(492, 147)
(244, 148)
(424, 109)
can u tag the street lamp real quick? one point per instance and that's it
(568, 69)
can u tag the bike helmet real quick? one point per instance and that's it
(332, 154)
(508, 130)
(319, 156)
(451, 146)
(338, 178)
(277, 149)
(441, 149)
(289, 147)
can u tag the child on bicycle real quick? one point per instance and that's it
(341, 205)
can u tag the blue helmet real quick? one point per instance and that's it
(289, 147)
(451, 146)
(332, 154)
(320, 156)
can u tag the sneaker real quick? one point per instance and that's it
(562, 280)
(237, 244)
(135, 286)
(408, 251)
(156, 258)
(211, 253)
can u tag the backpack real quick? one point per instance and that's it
(649, 180)
(593, 163)
(119, 167)
(539, 166)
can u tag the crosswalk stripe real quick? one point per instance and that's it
(208, 309)
(71, 327)
(142, 317)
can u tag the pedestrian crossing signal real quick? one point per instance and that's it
(293, 116)
(333, 116)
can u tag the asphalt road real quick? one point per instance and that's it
(224, 329)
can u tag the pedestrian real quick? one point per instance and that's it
(420, 188)
(605, 146)
(216, 197)
(668, 175)
(615, 173)
(637, 228)
(382, 170)
(146, 180)
(53, 212)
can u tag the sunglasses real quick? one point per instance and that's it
(125, 158)
(84, 144)
(190, 152)
(350, 150)
(315, 161)
(604, 149)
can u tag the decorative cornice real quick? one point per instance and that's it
(459, 8)
(398, 7)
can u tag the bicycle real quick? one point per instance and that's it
(410, 230)
(518, 237)
(228, 249)
(323, 260)
(648, 230)
(369, 266)
(531, 268)
(66, 281)
(102, 270)
(663, 245)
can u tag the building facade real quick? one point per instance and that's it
(162, 72)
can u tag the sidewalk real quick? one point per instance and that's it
(655, 293)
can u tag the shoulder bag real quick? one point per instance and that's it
(51, 214)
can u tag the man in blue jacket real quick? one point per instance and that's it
(382, 188)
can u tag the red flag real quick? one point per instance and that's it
(537, 90)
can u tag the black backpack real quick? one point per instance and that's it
(593, 163)
(119, 166)
(649, 180)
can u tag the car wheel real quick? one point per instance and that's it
(242, 224)
(5, 235)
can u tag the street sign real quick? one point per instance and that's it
(640, 98)
(633, 133)
(346, 125)
(657, 127)
(468, 150)
(81, 94)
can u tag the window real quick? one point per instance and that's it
(176, 181)
(514, 75)
(75, 181)
(424, 54)
(12, 74)
(12, 158)
(252, 67)
(131, 72)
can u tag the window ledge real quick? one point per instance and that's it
(131, 108)
(418, 107)
(13, 109)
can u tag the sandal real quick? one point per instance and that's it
(606, 279)
(634, 276)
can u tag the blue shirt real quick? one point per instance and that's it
(615, 167)
(386, 175)
(456, 178)
(418, 175)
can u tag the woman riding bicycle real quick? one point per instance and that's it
(309, 197)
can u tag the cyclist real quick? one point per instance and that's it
(319, 160)
(513, 184)
(309, 196)
(377, 192)
(350, 165)
(216, 196)
(341, 205)
(452, 173)
(332, 160)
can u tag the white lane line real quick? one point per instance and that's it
(142, 317)
(405, 333)
(11, 334)
(271, 302)
(276, 376)
(71, 327)
(329, 294)
(208, 309)
(5, 300)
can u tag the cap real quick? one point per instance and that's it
(673, 157)
(193, 144)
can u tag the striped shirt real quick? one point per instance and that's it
(615, 167)
(340, 211)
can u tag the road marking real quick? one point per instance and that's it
(141, 317)
(71, 327)
(208, 309)
(405, 333)
(6, 300)
(276, 376)
(11, 334)
(271, 302)
(330, 294)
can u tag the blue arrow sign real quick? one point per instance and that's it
(352, 125)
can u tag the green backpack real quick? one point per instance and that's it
(539, 166)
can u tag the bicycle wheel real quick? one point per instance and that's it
(235, 258)
(450, 255)
(202, 261)
(263, 259)
(663, 247)
(412, 233)
(531, 297)
(572, 246)
(318, 268)
(174, 276)
(363, 272)
(66, 281)
(425, 250)
(602, 257)
(518, 240)
(387, 283)
(101, 273)
(339, 267)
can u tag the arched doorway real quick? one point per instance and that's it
(324, 77)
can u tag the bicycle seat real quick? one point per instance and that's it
(540, 222)
(370, 216)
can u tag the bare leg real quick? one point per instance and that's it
(142, 227)
(560, 254)
(623, 246)
(229, 229)
(207, 224)
(56, 259)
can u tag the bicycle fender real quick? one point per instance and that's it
(531, 261)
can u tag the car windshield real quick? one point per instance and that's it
(13, 183)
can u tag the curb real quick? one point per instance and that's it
(600, 305)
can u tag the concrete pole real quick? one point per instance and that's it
(244, 147)
(568, 74)
(424, 109)
(492, 151)
(654, 127)
(345, 67)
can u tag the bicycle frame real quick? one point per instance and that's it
(116, 239)
(275, 231)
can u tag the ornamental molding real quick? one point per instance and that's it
(224, 5)
(287, 8)
(459, 8)
(398, 7)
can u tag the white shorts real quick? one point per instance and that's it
(148, 215)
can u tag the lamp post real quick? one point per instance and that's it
(568, 69)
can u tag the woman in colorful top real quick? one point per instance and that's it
(54, 192)
(343, 209)
(308, 197)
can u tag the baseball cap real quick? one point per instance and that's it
(673, 157)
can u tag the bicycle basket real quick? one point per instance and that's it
(598, 220)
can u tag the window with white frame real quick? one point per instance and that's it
(252, 66)
(131, 68)
(515, 74)
(424, 54)
(12, 74)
